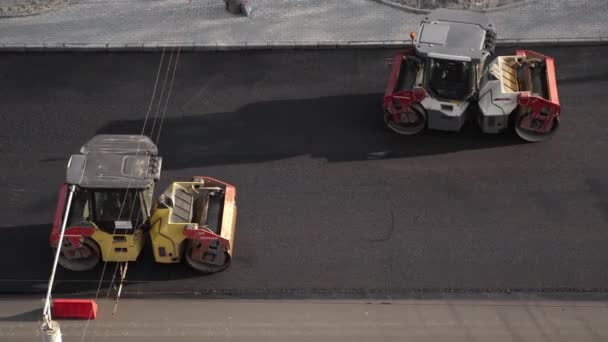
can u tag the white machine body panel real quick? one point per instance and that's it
(445, 115)
(495, 102)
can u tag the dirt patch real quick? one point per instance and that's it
(19, 8)
(455, 4)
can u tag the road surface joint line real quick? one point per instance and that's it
(426, 11)
(272, 45)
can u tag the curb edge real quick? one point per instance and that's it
(282, 45)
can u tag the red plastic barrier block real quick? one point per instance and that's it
(74, 308)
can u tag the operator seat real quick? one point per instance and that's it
(450, 79)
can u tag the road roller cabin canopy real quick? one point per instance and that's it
(115, 161)
(455, 35)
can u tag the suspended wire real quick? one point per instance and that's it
(162, 92)
(124, 201)
(168, 96)
(118, 264)
(123, 271)
(160, 64)
(179, 49)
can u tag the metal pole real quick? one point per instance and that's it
(123, 274)
(51, 332)
(46, 312)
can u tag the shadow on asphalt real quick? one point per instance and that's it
(339, 128)
(28, 316)
(29, 245)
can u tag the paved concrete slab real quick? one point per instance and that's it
(159, 21)
(451, 320)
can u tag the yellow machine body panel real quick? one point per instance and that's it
(166, 237)
(182, 209)
(119, 247)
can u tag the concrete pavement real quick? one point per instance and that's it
(18, 8)
(204, 24)
(492, 319)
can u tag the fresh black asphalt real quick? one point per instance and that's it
(330, 203)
